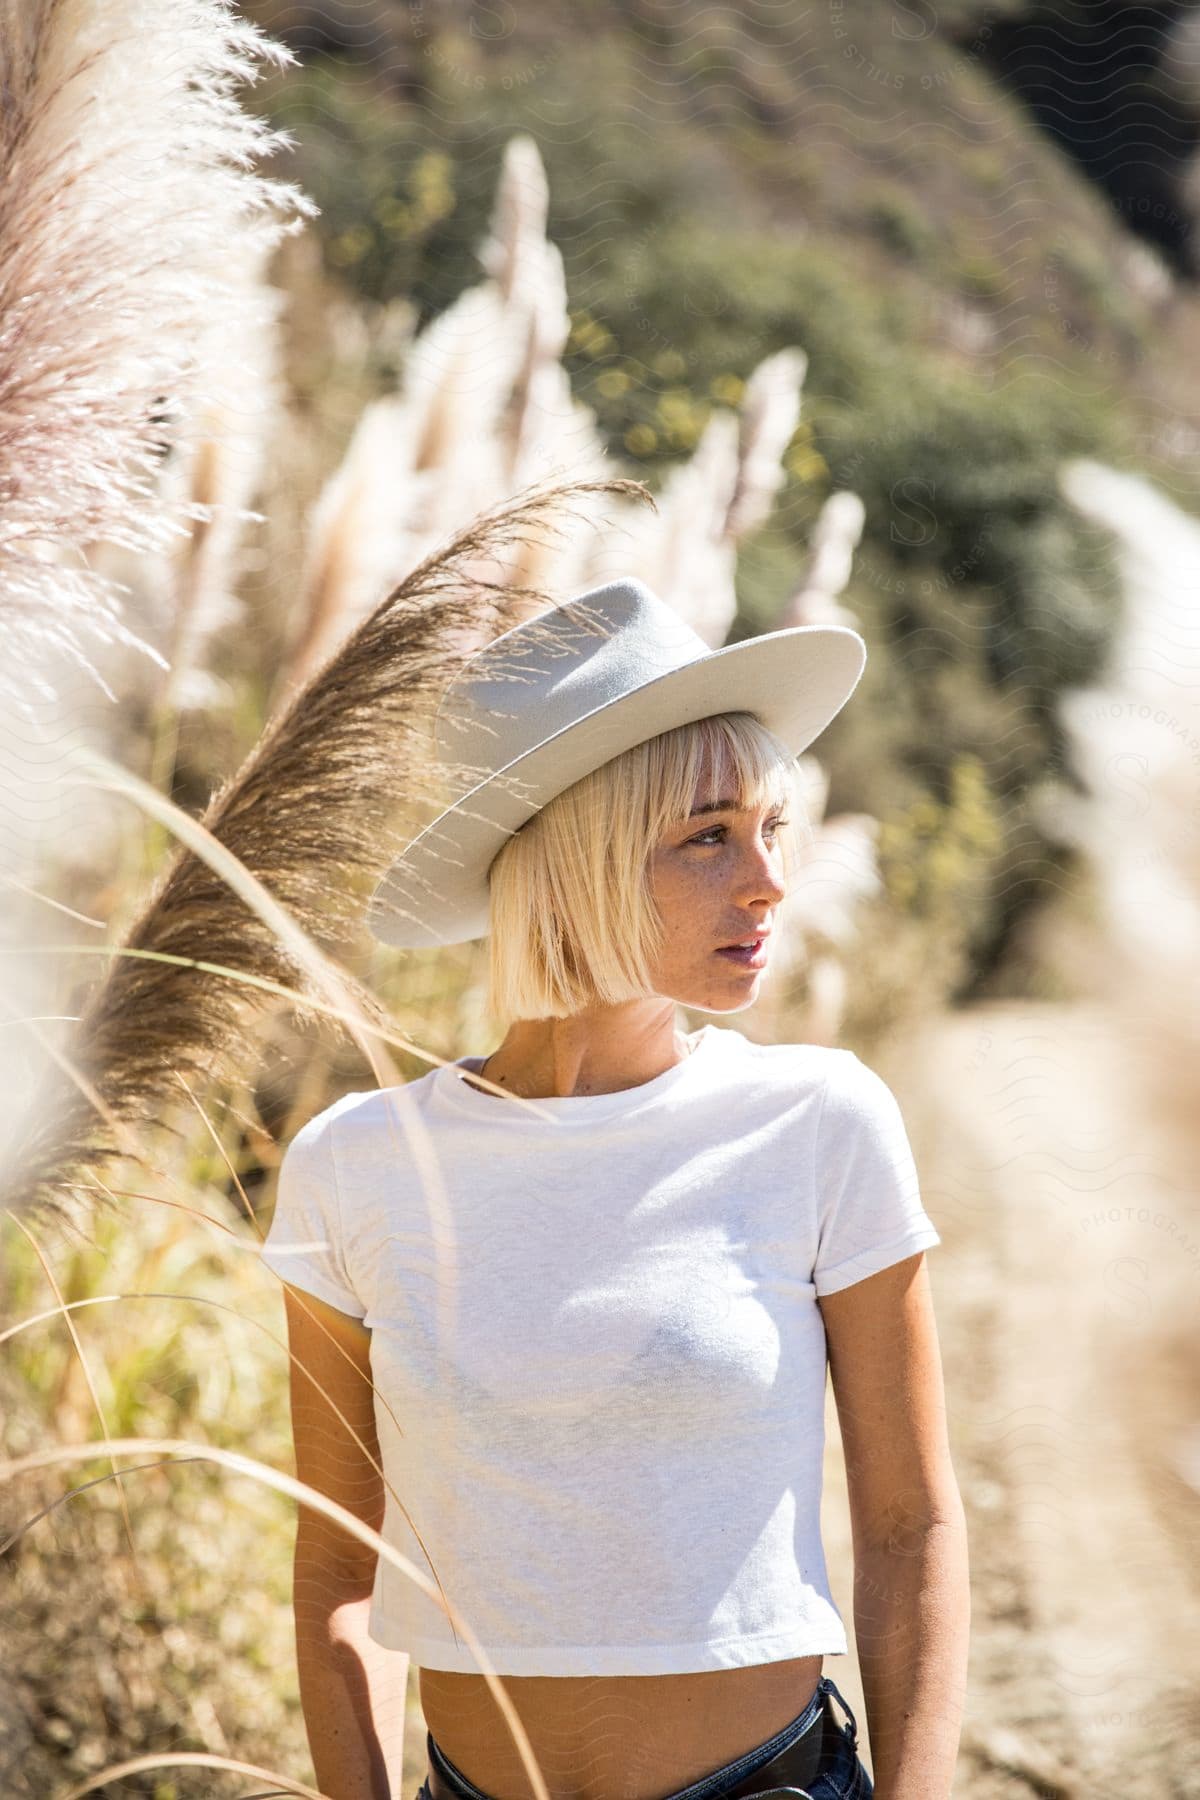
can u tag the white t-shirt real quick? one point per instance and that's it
(598, 1358)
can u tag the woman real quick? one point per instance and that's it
(596, 1277)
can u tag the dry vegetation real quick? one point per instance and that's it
(346, 479)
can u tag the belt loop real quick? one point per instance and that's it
(831, 1687)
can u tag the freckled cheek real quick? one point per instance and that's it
(694, 899)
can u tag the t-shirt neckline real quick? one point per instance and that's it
(572, 1107)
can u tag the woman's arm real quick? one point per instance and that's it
(912, 1605)
(353, 1690)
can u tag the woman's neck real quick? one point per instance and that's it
(601, 1051)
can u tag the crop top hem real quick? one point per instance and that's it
(821, 1637)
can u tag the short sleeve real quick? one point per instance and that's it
(868, 1195)
(304, 1244)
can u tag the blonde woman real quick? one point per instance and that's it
(574, 1301)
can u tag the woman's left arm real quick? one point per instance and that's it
(912, 1604)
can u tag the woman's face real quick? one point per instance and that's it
(717, 879)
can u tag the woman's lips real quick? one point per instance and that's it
(752, 956)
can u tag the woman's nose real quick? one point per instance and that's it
(761, 878)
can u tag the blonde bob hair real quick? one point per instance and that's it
(572, 922)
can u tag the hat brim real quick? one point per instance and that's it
(795, 681)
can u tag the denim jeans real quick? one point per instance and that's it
(841, 1777)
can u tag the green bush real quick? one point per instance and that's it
(900, 224)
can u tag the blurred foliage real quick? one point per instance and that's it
(980, 592)
(930, 855)
(140, 1659)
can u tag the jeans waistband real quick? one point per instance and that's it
(720, 1781)
(809, 1722)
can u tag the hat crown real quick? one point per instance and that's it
(549, 672)
(545, 704)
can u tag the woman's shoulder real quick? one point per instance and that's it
(789, 1075)
(788, 1059)
(365, 1124)
(848, 1089)
(352, 1117)
(857, 1098)
(365, 1107)
(836, 1061)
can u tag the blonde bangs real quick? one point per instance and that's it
(572, 918)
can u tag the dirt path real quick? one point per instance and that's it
(1067, 1286)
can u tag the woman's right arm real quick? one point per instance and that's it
(353, 1691)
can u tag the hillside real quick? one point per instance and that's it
(726, 182)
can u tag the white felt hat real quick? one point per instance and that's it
(549, 701)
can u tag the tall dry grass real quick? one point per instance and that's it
(307, 825)
(311, 817)
(144, 217)
(116, 383)
(135, 449)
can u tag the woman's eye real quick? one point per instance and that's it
(714, 832)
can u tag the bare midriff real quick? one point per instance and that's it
(613, 1737)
